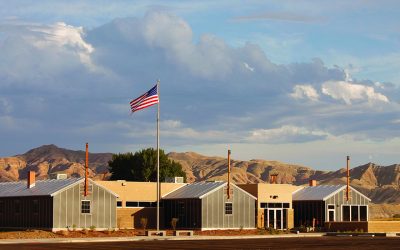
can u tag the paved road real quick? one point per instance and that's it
(325, 243)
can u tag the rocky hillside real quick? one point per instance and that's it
(380, 183)
(49, 159)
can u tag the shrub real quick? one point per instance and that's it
(396, 216)
(92, 227)
(73, 227)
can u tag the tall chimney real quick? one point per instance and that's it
(31, 179)
(273, 178)
(348, 178)
(229, 175)
(313, 183)
(86, 170)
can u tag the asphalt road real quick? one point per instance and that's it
(325, 243)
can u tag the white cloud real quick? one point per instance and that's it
(349, 92)
(286, 133)
(63, 35)
(304, 92)
(57, 43)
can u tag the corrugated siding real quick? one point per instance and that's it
(339, 199)
(213, 210)
(24, 216)
(67, 208)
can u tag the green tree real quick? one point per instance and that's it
(142, 166)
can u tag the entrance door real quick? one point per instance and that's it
(331, 213)
(273, 218)
(278, 219)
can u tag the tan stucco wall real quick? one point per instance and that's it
(138, 191)
(290, 218)
(265, 193)
(383, 226)
(130, 217)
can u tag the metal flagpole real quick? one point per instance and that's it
(158, 156)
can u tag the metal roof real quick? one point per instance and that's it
(316, 192)
(195, 190)
(41, 188)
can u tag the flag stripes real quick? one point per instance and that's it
(146, 100)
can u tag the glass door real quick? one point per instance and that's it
(278, 219)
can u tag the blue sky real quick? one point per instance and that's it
(305, 82)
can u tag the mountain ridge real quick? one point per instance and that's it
(380, 183)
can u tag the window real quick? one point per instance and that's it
(363, 213)
(274, 205)
(346, 213)
(35, 206)
(144, 204)
(119, 203)
(228, 208)
(354, 213)
(132, 204)
(141, 204)
(331, 206)
(85, 207)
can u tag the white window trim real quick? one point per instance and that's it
(358, 208)
(90, 206)
(330, 209)
(228, 202)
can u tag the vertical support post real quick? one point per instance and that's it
(228, 191)
(348, 179)
(86, 170)
(158, 156)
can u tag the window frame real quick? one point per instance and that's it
(90, 207)
(226, 210)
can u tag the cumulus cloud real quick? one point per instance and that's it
(55, 36)
(210, 92)
(304, 92)
(350, 92)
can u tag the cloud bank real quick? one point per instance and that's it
(64, 84)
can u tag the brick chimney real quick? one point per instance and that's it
(313, 183)
(31, 179)
(273, 178)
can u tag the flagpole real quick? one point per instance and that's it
(158, 156)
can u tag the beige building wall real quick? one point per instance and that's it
(129, 217)
(272, 193)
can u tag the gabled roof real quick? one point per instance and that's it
(199, 190)
(41, 188)
(195, 190)
(320, 193)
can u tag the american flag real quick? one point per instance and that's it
(146, 100)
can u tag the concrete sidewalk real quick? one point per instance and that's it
(145, 238)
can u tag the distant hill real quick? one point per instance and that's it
(380, 183)
(49, 159)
